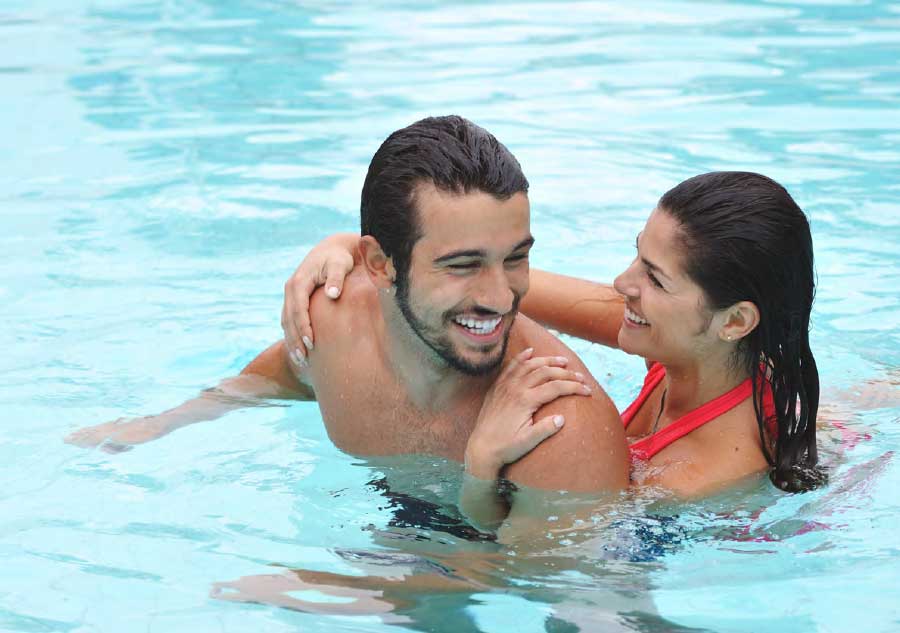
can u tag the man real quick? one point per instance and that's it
(403, 362)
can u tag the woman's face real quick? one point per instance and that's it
(666, 318)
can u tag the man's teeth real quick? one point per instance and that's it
(479, 326)
(631, 316)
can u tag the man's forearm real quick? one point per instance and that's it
(267, 376)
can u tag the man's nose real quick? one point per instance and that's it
(493, 290)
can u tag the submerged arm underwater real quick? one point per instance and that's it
(269, 375)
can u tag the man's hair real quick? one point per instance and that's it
(453, 154)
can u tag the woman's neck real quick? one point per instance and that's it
(691, 385)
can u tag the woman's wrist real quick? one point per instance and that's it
(480, 465)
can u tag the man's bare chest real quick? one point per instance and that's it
(365, 414)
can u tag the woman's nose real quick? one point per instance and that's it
(626, 283)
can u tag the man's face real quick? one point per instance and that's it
(467, 274)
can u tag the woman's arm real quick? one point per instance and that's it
(578, 307)
(506, 430)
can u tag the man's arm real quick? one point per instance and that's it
(269, 375)
(588, 454)
(578, 307)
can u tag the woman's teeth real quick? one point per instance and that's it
(631, 316)
(478, 326)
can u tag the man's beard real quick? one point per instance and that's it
(440, 344)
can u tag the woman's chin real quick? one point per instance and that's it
(628, 345)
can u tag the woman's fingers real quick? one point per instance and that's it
(530, 436)
(525, 362)
(514, 366)
(295, 315)
(541, 430)
(295, 321)
(547, 373)
(550, 391)
(336, 270)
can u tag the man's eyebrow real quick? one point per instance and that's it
(459, 254)
(526, 243)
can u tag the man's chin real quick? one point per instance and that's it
(479, 363)
(476, 369)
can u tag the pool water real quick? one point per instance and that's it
(165, 165)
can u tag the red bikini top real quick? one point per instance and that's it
(647, 447)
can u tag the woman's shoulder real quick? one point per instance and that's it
(722, 451)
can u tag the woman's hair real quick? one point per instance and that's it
(745, 239)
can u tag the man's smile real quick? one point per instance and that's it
(480, 330)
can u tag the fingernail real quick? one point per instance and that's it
(579, 376)
(528, 351)
(558, 421)
(308, 343)
(562, 359)
(332, 292)
(585, 389)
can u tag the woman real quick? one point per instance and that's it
(717, 300)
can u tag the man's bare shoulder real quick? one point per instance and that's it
(590, 452)
(350, 317)
(527, 333)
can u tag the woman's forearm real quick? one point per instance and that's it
(578, 307)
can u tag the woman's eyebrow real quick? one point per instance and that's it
(654, 267)
(647, 262)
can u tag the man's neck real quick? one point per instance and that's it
(429, 382)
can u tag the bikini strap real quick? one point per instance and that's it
(654, 376)
(650, 446)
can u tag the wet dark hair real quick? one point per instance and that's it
(745, 239)
(451, 152)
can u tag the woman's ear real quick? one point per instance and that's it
(740, 319)
(378, 265)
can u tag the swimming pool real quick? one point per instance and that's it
(164, 165)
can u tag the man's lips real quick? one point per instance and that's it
(483, 330)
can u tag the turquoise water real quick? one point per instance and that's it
(163, 167)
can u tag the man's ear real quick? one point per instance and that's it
(740, 319)
(378, 265)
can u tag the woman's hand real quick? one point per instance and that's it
(506, 430)
(327, 264)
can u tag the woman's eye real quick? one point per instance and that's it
(654, 280)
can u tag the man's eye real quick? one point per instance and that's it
(516, 259)
(466, 266)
